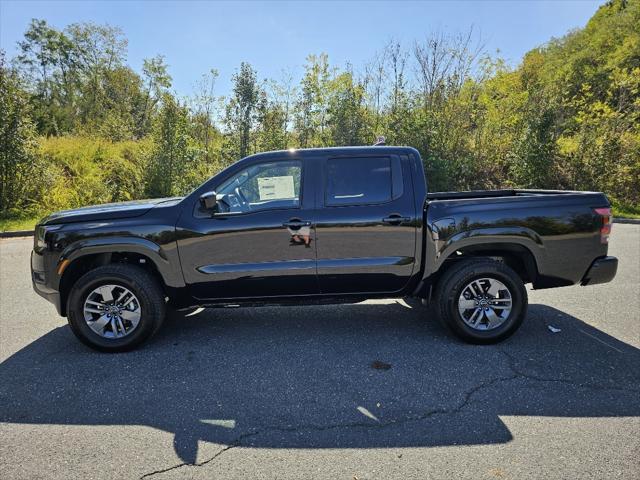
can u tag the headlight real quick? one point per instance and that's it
(40, 235)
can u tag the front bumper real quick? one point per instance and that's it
(47, 293)
(601, 270)
(38, 281)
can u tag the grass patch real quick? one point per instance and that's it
(625, 214)
(14, 224)
(625, 211)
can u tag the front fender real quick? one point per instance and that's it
(165, 258)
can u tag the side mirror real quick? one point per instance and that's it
(209, 201)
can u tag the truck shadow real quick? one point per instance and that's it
(362, 376)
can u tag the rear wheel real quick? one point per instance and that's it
(115, 307)
(481, 301)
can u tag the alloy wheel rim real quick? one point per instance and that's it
(485, 303)
(112, 311)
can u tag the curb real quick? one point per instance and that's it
(632, 221)
(29, 233)
(17, 233)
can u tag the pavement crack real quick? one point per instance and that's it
(318, 428)
(234, 444)
(185, 464)
(467, 397)
(164, 470)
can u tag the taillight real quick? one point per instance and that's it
(605, 229)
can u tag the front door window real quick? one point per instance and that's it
(261, 187)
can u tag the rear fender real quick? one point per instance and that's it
(493, 237)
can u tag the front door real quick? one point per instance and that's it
(260, 243)
(366, 231)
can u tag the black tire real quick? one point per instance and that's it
(457, 277)
(140, 282)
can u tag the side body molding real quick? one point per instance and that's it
(165, 258)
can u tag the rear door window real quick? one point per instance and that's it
(359, 181)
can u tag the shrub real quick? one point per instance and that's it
(87, 170)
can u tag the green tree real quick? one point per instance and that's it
(47, 58)
(22, 175)
(242, 111)
(157, 80)
(98, 50)
(271, 131)
(347, 112)
(175, 165)
(312, 106)
(79, 81)
(205, 108)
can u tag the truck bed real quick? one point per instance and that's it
(499, 193)
(558, 230)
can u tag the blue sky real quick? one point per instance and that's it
(197, 36)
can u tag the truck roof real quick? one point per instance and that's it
(339, 151)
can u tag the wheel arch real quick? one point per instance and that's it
(516, 254)
(78, 259)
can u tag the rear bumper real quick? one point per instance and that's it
(601, 270)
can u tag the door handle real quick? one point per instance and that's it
(395, 219)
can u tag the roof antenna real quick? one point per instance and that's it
(380, 140)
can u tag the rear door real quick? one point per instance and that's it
(366, 228)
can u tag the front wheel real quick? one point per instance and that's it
(116, 307)
(481, 301)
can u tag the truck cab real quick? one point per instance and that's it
(310, 223)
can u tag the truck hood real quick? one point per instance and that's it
(107, 211)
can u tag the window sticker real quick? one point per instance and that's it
(276, 188)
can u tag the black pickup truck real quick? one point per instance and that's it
(319, 226)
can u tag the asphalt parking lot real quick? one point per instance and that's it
(291, 392)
